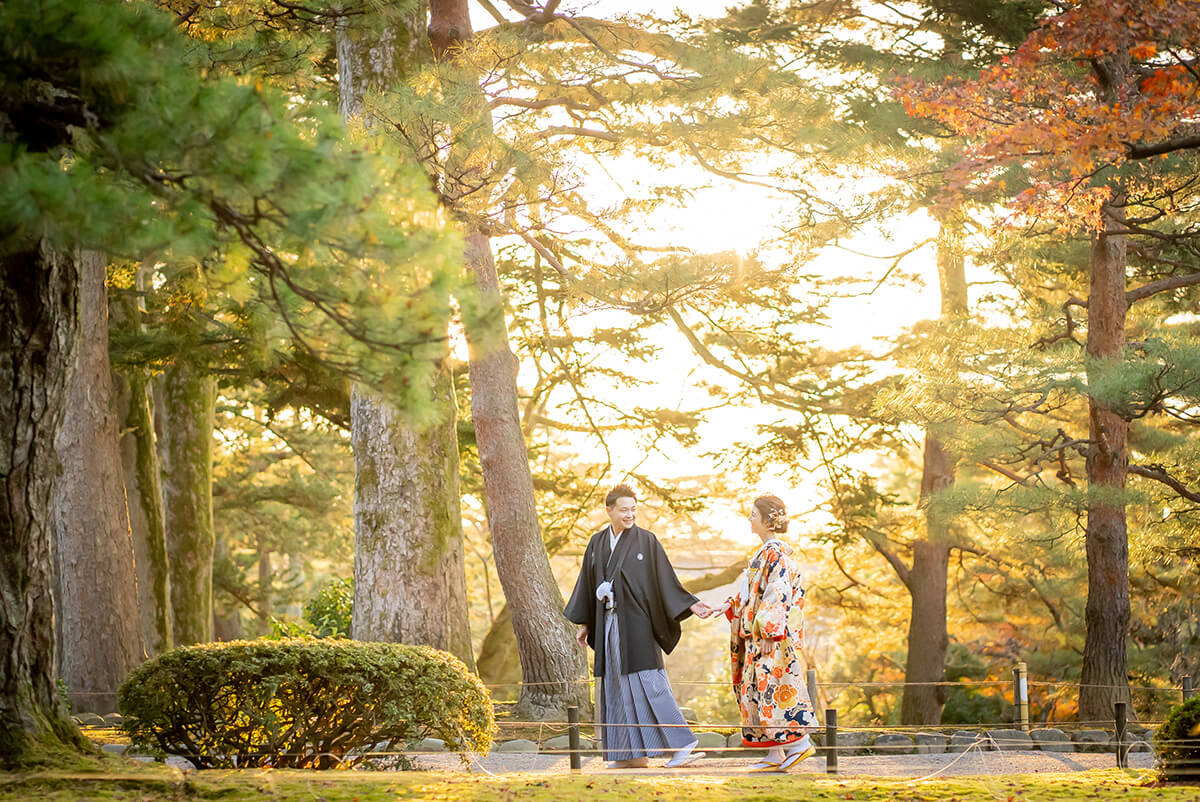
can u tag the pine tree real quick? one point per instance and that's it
(1105, 153)
(135, 139)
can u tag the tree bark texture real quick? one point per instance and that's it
(97, 619)
(552, 664)
(409, 577)
(39, 332)
(143, 491)
(188, 409)
(927, 580)
(1104, 678)
(550, 657)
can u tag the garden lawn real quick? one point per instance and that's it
(152, 783)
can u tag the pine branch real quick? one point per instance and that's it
(568, 130)
(1162, 285)
(1159, 148)
(1005, 472)
(1159, 474)
(890, 555)
(715, 579)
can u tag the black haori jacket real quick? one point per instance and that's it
(649, 600)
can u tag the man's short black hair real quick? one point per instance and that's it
(619, 491)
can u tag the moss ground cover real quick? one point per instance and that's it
(118, 781)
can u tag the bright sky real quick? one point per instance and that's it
(740, 217)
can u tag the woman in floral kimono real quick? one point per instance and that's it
(767, 627)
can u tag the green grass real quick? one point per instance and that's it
(154, 783)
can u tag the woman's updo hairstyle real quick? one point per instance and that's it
(773, 513)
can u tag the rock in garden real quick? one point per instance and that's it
(710, 740)
(1139, 740)
(562, 743)
(689, 715)
(930, 743)
(962, 740)
(853, 743)
(1051, 739)
(518, 745)
(1011, 740)
(115, 749)
(430, 745)
(1092, 741)
(892, 744)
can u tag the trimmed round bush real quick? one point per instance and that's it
(301, 703)
(1177, 741)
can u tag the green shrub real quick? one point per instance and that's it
(330, 610)
(1177, 741)
(301, 703)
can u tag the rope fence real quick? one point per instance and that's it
(1123, 742)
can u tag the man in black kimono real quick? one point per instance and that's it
(628, 604)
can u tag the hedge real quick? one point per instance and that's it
(301, 703)
(1177, 741)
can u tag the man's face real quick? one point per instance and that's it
(622, 514)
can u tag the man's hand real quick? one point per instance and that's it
(701, 609)
(581, 635)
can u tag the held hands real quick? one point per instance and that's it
(702, 610)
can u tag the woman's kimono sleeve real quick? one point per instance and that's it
(771, 617)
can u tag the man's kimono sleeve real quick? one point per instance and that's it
(672, 603)
(581, 608)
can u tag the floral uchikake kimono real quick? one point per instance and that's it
(767, 628)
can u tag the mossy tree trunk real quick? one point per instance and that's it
(187, 412)
(143, 491)
(39, 329)
(409, 577)
(96, 614)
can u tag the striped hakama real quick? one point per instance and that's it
(640, 707)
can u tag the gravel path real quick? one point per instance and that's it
(968, 763)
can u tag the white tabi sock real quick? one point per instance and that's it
(682, 754)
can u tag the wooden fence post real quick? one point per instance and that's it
(573, 737)
(1021, 697)
(831, 744)
(1121, 714)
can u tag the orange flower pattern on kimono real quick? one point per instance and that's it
(767, 632)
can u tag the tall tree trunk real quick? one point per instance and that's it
(97, 619)
(188, 409)
(39, 332)
(1103, 678)
(927, 580)
(143, 491)
(409, 576)
(551, 661)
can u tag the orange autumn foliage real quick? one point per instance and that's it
(1048, 109)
